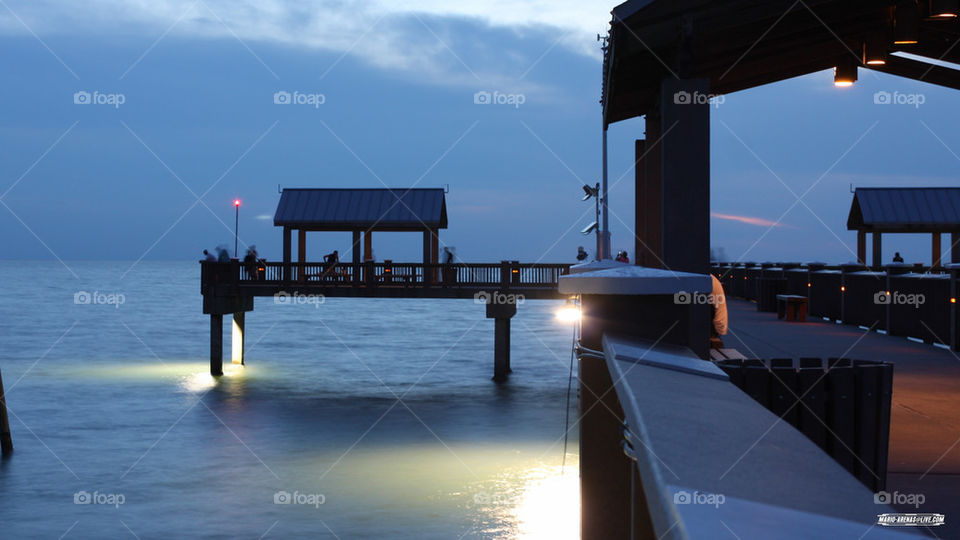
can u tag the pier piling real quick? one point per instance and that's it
(236, 345)
(6, 442)
(216, 344)
(501, 314)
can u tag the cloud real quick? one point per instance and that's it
(758, 222)
(424, 37)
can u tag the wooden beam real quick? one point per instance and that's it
(920, 71)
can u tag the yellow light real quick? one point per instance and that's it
(906, 42)
(953, 300)
(809, 285)
(845, 74)
(570, 312)
(843, 289)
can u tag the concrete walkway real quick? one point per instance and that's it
(925, 415)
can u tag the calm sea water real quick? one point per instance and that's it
(371, 418)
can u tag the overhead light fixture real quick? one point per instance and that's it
(875, 52)
(590, 228)
(590, 192)
(906, 23)
(845, 74)
(944, 9)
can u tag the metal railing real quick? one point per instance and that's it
(903, 300)
(503, 275)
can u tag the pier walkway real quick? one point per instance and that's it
(925, 418)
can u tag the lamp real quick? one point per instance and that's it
(845, 74)
(875, 52)
(944, 9)
(590, 192)
(906, 23)
(570, 312)
(590, 228)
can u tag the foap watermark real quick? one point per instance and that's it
(910, 520)
(282, 97)
(106, 499)
(97, 298)
(898, 98)
(82, 97)
(685, 298)
(498, 298)
(699, 497)
(904, 499)
(297, 498)
(897, 298)
(697, 98)
(484, 97)
(284, 298)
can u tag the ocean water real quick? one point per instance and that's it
(354, 418)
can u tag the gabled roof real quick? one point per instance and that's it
(741, 44)
(905, 210)
(367, 209)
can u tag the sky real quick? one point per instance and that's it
(127, 129)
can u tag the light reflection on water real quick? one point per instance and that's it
(126, 403)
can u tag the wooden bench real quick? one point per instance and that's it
(792, 307)
(726, 354)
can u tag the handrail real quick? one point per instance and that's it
(705, 452)
(503, 275)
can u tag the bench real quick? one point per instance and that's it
(718, 355)
(792, 307)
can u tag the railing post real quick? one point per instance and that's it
(954, 315)
(504, 275)
(427, 275)
(893, 269)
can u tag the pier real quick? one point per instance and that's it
(229, 288)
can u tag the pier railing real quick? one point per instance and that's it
(504, 275)
(903, 300)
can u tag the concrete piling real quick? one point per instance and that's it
(216, 344)
(6, 442)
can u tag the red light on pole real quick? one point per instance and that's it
(236, 228)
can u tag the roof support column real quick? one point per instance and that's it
(287, 249)
(368, 246)
(651, 206)
(862, 247)
(355, 250)
(937, 253)
(685, 170)
(426, 256)
(434, 252)
(301, 255)
(954, 249)
(877, 251)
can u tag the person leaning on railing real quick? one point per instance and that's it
(718, 313)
